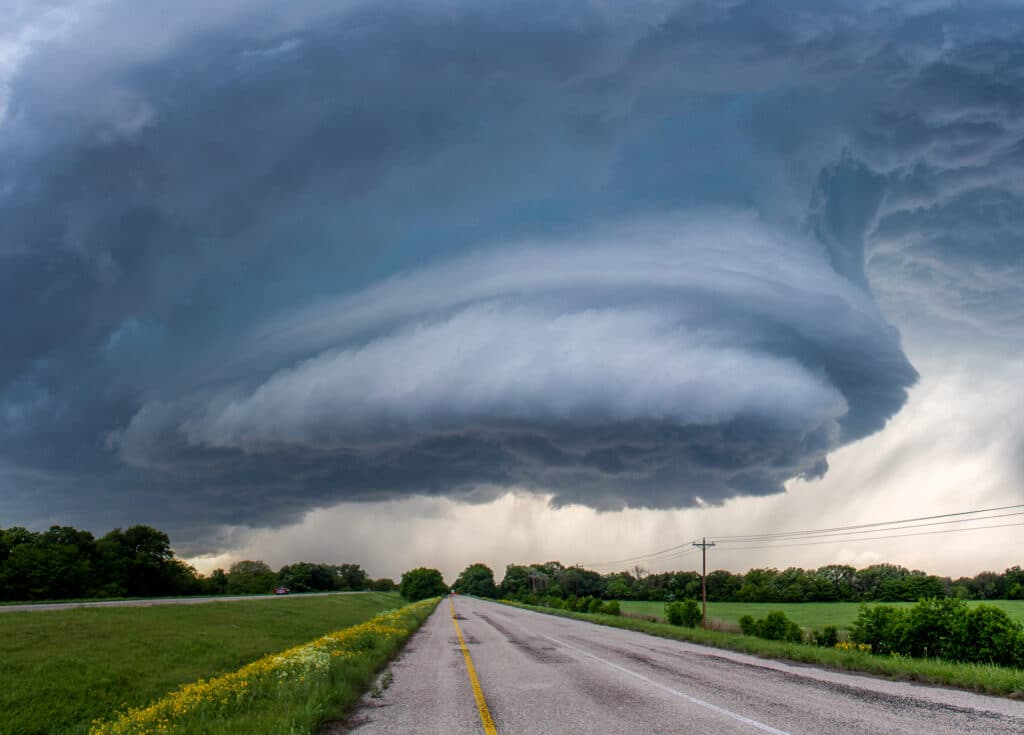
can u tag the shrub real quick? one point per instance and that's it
(774, 626)
(935, 628)
(828, 636)
(944, 628)
(881, 627)
(748, 626)
(993, 636)
(611, 608)
(685, 613)
(691, 614)
(595, 606)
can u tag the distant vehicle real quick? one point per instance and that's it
(282, 591)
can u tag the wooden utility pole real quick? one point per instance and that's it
(704, 580)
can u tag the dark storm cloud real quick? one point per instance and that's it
(258, 260)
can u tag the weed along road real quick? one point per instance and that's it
(482, 667)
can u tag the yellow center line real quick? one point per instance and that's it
(478, 693)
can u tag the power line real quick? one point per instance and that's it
(891, 527)
(873, 538)
(735, 542)
(642, 557)
(769, 536)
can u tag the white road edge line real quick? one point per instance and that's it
(670, 690)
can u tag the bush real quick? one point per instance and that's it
(674, 612)
(611, 608)
(944, 628)
(881, 627)
(936, 628)
(994, 637)
(827, 637)
(692, 614)
(748, 626)
(594, 606)
(774, 626)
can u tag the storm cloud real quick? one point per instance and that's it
(259, 260)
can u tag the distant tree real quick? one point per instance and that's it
(384, 584)
(305, 576)
(1014, 581)
(421, 583)
(351, 577)
(516, 581)
(218, 582)
(619, 587)
(139, 562)
(837, 579)
(250, 576)
(476, 579)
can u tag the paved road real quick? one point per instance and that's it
(542, 674)
(44, 606)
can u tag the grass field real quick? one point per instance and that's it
(806, 614)
(59, 670)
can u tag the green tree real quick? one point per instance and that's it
(250, 577)
(516, 581)
(351, 577)
(305, 576)
(218, 582)
(476, 579)
(421, 583)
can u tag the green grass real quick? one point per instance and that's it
(983, 678)
(59, 670)
(805, 614)
(294, 691)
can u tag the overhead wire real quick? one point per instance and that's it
(765, 536)
(870, 538)
(835, 534)
(889, 527)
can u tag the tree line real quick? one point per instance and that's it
(64, 563)
(830, 583)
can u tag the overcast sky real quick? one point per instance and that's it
(429, 283)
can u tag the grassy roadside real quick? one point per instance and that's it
(983, 678)
(809, 615)
(59, 670)
(294, 691)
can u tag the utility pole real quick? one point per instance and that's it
(704, 580)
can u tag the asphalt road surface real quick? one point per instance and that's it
(490, 668)
(44, 606)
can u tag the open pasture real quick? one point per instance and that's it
(805, 614)
(60, 670)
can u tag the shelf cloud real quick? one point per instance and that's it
(258, 259)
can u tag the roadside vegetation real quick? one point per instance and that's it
(59, 670)
(809, 615)
(294, 691)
